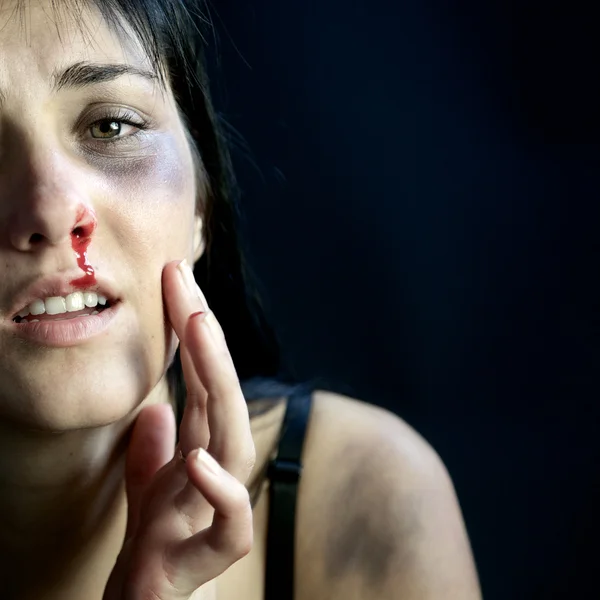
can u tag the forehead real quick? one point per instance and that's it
(38, 37)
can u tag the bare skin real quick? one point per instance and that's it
(89, 472)
(401, 537)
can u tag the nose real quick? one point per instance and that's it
(32, 232)
(49, 210)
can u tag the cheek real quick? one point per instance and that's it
(150, 199)
(145, 219)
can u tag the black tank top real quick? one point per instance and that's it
(284, 474)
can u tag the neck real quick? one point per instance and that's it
(63, 506)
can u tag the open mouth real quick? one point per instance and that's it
(61, 308)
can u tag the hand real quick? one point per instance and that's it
(188, 520)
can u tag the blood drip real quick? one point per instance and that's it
(81, 237)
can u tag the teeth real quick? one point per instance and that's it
(90, 299)
(37, 307)
(74, 302)
(58, 304)
(55, 305)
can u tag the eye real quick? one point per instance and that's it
(115, 124)
(110, 128)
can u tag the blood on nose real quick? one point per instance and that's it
(81, 236)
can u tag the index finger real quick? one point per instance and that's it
(183, 299)
(228, 419)
(182, 296)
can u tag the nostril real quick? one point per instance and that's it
(82, 231)
(36, 238)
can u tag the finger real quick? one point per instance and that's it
(193, 431)
(229, 537)
(182, 299)
(150, 448)
(228, 419)
(182, 295)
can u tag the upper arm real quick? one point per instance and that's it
(385, 518)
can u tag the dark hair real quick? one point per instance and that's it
(174, 36)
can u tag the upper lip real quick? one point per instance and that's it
(60, 285)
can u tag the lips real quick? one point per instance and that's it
(71, 331)
(53, 312)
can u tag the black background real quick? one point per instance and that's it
(420, 189)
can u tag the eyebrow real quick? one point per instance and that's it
(83, 74)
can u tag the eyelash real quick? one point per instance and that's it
(124, 117)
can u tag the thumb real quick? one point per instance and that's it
(151, 446)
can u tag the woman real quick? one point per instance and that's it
(113, 180)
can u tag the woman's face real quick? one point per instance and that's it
(91, 152)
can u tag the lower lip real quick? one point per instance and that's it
(70, 332)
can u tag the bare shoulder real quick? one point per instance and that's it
(377, 516)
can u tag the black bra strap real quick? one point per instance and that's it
(284, 474)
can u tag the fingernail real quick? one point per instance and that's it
(187, 276)
(206, 461)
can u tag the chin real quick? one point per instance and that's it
(91, 391)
